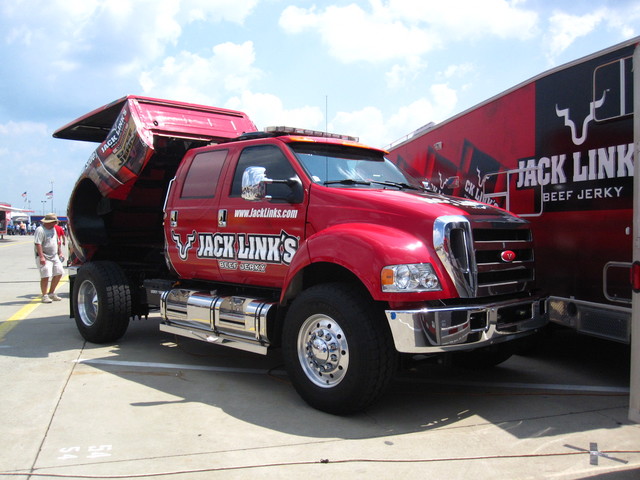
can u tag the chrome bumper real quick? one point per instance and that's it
(441, 329)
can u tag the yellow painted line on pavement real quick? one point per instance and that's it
(11, 322)
(16, 243)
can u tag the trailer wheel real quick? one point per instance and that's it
(337, 349)
(102, 302)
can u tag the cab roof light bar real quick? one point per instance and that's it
(281, 130)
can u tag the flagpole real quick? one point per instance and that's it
(52, 196)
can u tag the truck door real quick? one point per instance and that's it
(191, 215)
(267, 232)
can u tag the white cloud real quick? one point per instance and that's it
(564, 29)
(268, 110)
(367, 124)
(121, 36)
(464, 19)
(624, 20)
(352, 34)
(405, 29)
(13, 129)
(401, 75)
(441, 104)
(296, 20)
(235, 11)
(458, 71)
(371, 126)
(192, 78)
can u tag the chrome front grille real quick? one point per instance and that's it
(485, 255)
(497, 273)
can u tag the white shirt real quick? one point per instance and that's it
(49, 240)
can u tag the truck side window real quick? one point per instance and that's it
(273, 160)
(203, 174)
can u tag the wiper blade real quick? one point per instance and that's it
(400, 185)
(346, 181)
(351, 181)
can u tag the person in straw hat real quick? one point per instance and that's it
(48, 254)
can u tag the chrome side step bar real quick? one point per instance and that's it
(211, 337)
(233, 321)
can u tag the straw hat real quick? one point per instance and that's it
(50, 218)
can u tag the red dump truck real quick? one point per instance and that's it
(558, 151)
(288, 238)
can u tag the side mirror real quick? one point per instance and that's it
(254, 184)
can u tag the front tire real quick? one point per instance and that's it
(101, 302)
(337, 348)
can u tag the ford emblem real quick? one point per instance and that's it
(508, 256)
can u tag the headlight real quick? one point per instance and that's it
(418, 277)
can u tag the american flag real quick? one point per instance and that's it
(49, 194)
(24, 194)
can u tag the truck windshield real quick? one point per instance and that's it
(351, 167)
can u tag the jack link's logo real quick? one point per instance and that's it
(476, 191)
(443, 183)
(564, 113)
(482, 179)
(183, 248)
(244, 247)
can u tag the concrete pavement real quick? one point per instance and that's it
(157, 406)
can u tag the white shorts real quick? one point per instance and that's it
(51, 268)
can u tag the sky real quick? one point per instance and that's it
(375, 69)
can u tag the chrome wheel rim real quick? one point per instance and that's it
(88, 303)
(323, 351)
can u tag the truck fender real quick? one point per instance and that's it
(363, 249)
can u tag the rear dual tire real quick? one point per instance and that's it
(101, 302)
